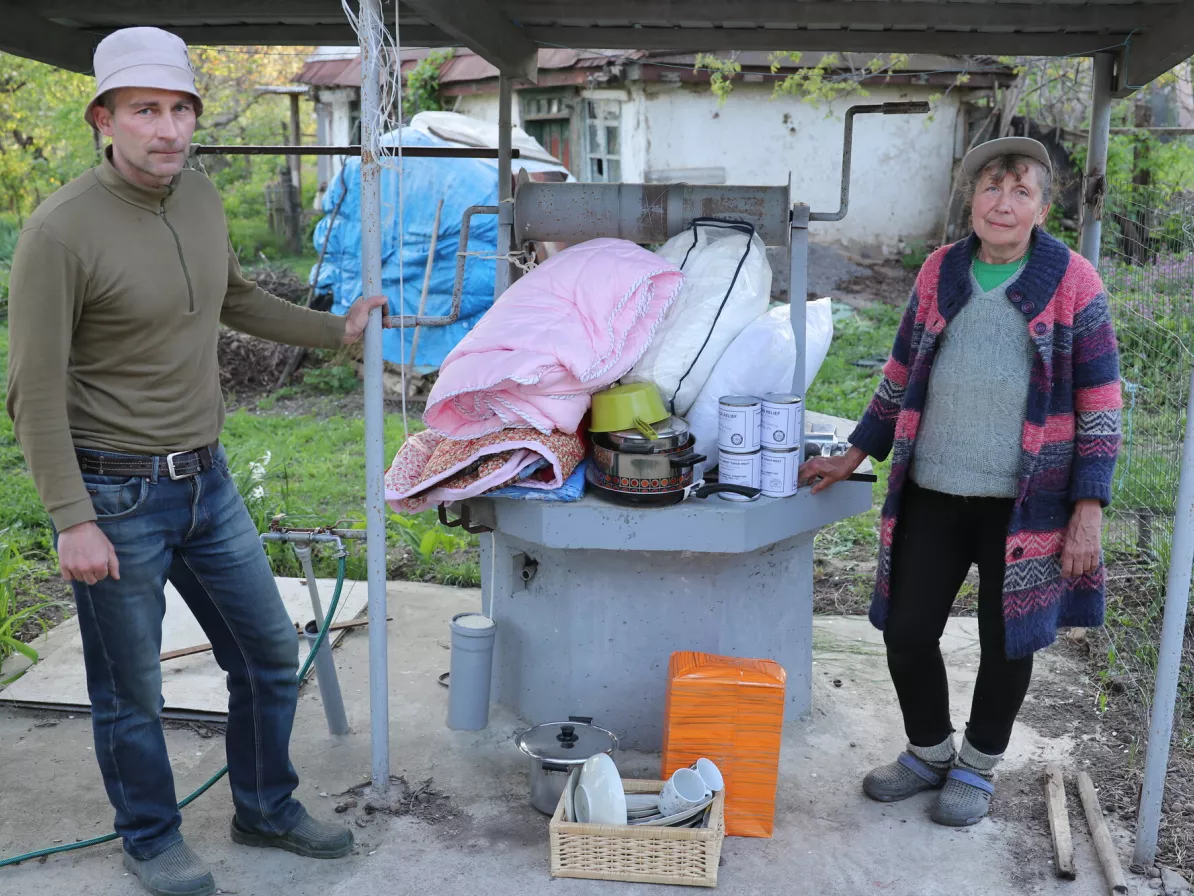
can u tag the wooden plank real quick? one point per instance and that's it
(1059, 823)
(486, 30)
(1163, 43)
(26, 34)
(831, 40)
(1112, 870)
(909, 14)
(336, 35)
(204, 648)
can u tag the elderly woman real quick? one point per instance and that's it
(1000, 405)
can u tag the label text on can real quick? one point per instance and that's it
(779, 472)
(783, 422)
(739, 422)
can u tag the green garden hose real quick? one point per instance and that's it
(210, 782)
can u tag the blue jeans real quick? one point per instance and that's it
(197, 534)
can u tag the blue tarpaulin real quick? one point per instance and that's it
(460, 183)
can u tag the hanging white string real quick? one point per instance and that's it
(386, 48)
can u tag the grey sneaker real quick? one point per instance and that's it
(175, 872)
(905, 777)
(310, 838)
(965, 799)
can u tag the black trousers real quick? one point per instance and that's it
(937, 538)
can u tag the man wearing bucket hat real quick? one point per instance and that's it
(1000, 406)
(119, 284)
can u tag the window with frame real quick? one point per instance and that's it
(603, 127)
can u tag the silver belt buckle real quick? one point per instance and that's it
(170, 465)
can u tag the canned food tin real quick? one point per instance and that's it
(783, 421)
(739, 418)
(739, 469)
(779, 472)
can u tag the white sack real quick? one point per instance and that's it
(761, 359)
(709, 254)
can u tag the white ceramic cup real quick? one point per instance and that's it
(710, 774)
(684, 790)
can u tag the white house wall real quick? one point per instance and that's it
(901, 170)
(339, 123)
(901, 167)
(483, 107)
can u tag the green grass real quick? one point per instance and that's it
(315, 475)
(300, 264)
(844, 388)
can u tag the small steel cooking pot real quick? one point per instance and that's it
(670, 435)
(555, 748)
(627, 469)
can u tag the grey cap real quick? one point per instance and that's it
(977, 158)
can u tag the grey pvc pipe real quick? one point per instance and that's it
(1096, 158)
(329, 683)
(325, 666)
(470, 671)
(1169, 657)
(375, 518)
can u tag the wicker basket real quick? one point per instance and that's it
(648, 855)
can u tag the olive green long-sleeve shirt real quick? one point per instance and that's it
(116, 297)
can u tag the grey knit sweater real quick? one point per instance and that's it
(969, 438)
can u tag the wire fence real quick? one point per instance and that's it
(1147, 265)
(1148, 268)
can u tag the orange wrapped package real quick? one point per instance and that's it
(731, 710)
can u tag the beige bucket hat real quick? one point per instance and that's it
(142, 57)
(975, 160)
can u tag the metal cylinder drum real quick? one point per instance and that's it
(643, 213)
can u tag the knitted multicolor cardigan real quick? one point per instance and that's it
(1071, 432)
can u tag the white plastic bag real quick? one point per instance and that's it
(762, 359)
(704, 320)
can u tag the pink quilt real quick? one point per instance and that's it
(569, 328)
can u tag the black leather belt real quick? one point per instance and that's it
(179, 465)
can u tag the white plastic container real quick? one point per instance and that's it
(783, 421)
(779, 472)
(739, 469)
(739, 423)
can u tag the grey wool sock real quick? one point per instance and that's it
(940, 756)
(980, 763)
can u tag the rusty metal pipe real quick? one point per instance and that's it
(457, 287)
(848, 149)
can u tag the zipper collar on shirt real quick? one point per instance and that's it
(151, 199)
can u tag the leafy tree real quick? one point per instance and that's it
(421, 90)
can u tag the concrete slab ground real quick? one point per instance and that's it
(485, 837)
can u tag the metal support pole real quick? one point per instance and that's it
(505, 187)
(325, 665)
(375, 510)
(1094, 183)
(798, 290)
(1169, 657)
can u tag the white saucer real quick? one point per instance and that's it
(570, 794)
(656, 821)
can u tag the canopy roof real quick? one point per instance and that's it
(1148, 36)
